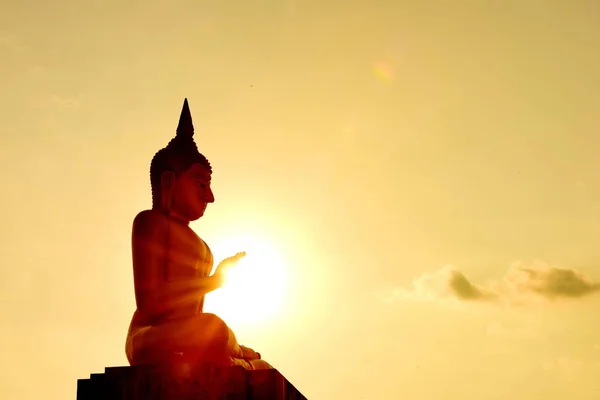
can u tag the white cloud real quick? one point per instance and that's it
(522, 283)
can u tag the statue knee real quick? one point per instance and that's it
(212, 338)
(213, 327)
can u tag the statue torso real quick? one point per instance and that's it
(189, 257)
(186, 257)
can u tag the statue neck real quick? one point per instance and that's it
(173, 215)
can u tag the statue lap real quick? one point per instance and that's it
(202, 336)
(199, 338)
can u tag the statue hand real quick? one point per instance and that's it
(249, 354)
(228, 263)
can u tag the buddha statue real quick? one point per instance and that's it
(172, 265)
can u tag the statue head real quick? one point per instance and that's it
(180, 176)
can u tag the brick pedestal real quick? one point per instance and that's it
(204, 382)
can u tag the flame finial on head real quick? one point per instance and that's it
(186, 126)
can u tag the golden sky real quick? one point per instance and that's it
(428, 169)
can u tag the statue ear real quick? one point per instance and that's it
(167, 184)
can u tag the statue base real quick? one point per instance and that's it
(203, 382)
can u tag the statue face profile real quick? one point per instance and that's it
(188, 193)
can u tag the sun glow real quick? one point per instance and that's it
(254, 289)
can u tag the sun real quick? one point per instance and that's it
(255, 289)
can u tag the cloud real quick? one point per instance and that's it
(538, 280)
(551, 282)
(463, 288)
(447, 282)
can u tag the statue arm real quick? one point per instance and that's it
(198, 286)
(148, 250)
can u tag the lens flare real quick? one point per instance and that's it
(384, 72)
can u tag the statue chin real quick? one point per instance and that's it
(189, 213)
(195, 215)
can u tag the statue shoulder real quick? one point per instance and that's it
(149, 223)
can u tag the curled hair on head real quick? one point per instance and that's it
(178, 156)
